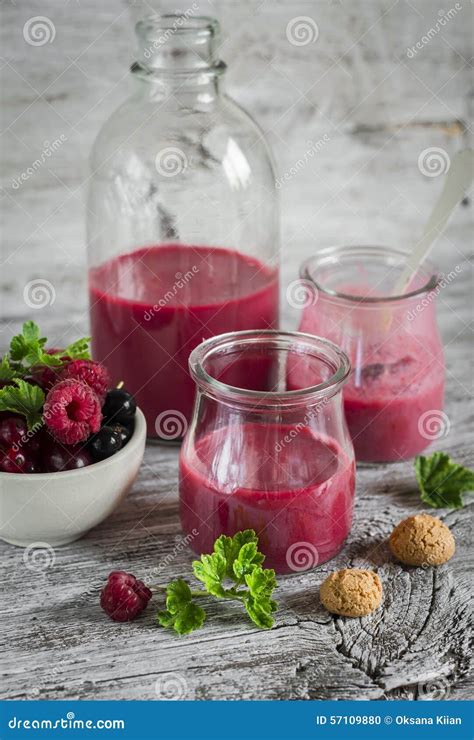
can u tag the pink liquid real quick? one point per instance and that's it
(152, 307)
(397, 376)
(298, 500)
(386, 399)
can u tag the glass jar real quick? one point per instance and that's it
(182, 221)
(261, 455)
(394, 398)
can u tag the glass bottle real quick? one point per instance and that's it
(183, 227)
(266, 454)
(394, 398)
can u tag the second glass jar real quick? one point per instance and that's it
(182, 221)
(394, 398)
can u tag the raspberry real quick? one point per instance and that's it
(72, 411)
(91, 373)
(124, 597)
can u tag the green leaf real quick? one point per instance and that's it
(19, 348)
(181, 613)
(442, 481)
(78, 350)
(260, 611)
(7, 372)
(24, 399)
(261, 582)
(211, 570)
(258, 601)
(28, 349)
(247, 558)
(229, 548)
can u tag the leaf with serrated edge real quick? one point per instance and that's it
(442, 481)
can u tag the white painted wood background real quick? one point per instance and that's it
(380, 109)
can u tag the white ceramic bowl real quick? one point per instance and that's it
(57, 508)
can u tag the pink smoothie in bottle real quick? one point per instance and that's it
(151, 307)
(299, 524)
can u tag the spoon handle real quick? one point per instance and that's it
(457, 181)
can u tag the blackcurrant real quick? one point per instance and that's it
(119, 406)
(125, 432)
(105, 443)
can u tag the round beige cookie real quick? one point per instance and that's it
(422, 540)
(351, 592)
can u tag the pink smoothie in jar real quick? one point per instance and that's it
(388, 402)
(151, 307)
(298, 527)
(394, 397)
(266, 457)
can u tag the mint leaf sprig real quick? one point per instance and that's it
(235, 560)
(442, 481)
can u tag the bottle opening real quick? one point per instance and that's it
(179, 42)
(365, 274)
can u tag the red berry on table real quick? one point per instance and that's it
(124, 597)
(72, 411)
(91, 373)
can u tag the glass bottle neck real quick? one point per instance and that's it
(177, 57)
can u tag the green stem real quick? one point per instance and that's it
(230, 593)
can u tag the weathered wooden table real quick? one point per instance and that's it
(364, 185)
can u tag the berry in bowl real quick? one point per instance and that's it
(70, 446)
